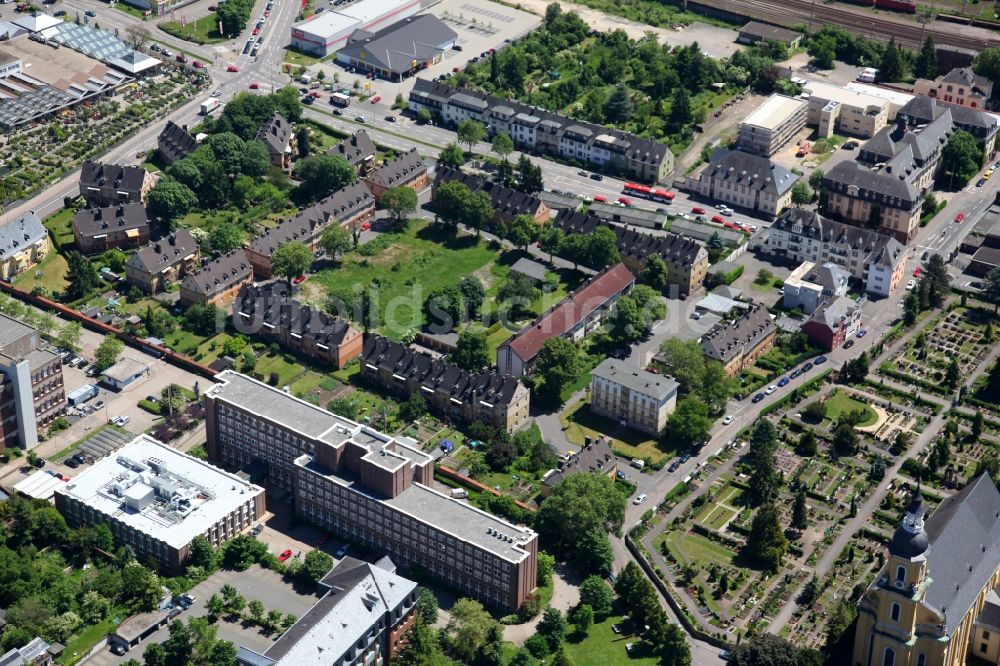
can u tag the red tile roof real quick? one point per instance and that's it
(571, 311)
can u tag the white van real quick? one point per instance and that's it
(638, 463)
(459, 493)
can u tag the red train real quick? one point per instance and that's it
(908, 6)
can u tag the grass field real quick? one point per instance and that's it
(52, 274)
(841, 403)
(580, 422)
(715, 516)
(60, 226)
(603, 646)
(688, 548)
(203, 31)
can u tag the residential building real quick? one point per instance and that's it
(572, 318)
(350, 206)
(633, 397)
(123, 226)
(686, 259)
(157, 499)
(772, 125)
(738, 343)
(35, 653)
(748, 181)
(875, 260)
(836, 109)
(836, 320)
(31, 391)
(111, 184)
(755, 32)
(124, 373)
(270, 312)
(507, 202)
(164, 262)
(406, 170)
(175, 143)
(399, 50)
(809, 285)
(24, 242)
(961, 86)
(933, 603)
(922, 110)
(218, 281)
(860, 195)
(277, 136)
(359, 151)
(596, 457)
(368, 487)
(360, 620)
(457, 394)
(324, 34)
(539, 131)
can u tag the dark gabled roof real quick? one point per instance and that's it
(729, 338)
(505, 200)
(92, 222)
(272, 304)
(896, 184)
(964, 76)
(177, 138)
(811, 224)
(275, 134)
(399, 171)
(231, 268)
(833, 311)
(769, 32)
(121, 178)
(754, 172)
(594, 457)
(355, 149)
(923, 110)
(436, 375)
(395, 47)
(165, 252)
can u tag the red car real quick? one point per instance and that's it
(697, 210)
(285, 554)
(600, 198)
(232, 68)
(959, 218)
(254, 86)
(625, 201)
(198, 64)
(917, 271)
(316, 94)
(718, 219)
(365, 226)
(376, 99)
(180, 57)
(299, 280)
(267, 12)
(256, 31)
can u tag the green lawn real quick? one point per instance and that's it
(60, 225)
(688, 548)
(81, 644)
(203, 31)
(52, 274)
(580, 422)
(603, 646)
(297, 58)
(841, 403)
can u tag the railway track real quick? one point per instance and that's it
(792, 13)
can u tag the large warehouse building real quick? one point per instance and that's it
(401, 49)
(326, 33)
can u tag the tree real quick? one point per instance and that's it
(764, 650)
(69, 336)
(400, 202)
(315, 565)
(845, 439)
(655, 273)
(550, 238)
(502, 145)
(335, 240)
(991, 288)
(764, 481)
(558, 364)
(987, 63)
(801, 194)
(952, 374)
(140, 587)
(471, 132)
(595, 553)
(202, 554)
(925, 66)
(215, 606)
(892, 67)
(583, 617)
(224, 237)
(562, 658)
(82, 276)
(578, 505)
(472, 350)
(529, 175)
(671, 644)
(256, 610)
(685, 362)
(552, 627)
(690, 423)
(421, 647)
(491, 652)
(618, 107)
(412, 408)
(594, 592)
(321, 175)
(107, 353)
(473, 293)
(977, 425)
(523, 231)
(800, 512)
(467, 629)
(450, 201)
(937, 278)
(962, 157)
(427, 606)
(302, 141)
(137, 36)
(477, 210)
(170, 199)
(815, 411)
(291, 260)
(602, 248)
(452, 156)
(501, 453)
(681, 114)
(766, 542)
(627, 322)
(807, 444)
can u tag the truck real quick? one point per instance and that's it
(82, 394)
(209, 105)
(306, 79)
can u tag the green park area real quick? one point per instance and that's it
(201, 31)
(841, 403)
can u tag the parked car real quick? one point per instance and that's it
(848, 344)
(820, 360)
(232, 68)
(729, 419)
(342, 551)
(807, 367)
(596, 176)
(285, 554)
(757, 398)
(598, 198)
(698, 210)
(770, 389)
(639, 499)
(862, 333)
(91, 13)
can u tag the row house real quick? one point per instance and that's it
(164, 262)
(457, 394)
(407, 170)
(358, 150)
(175, 143)
(218, 281)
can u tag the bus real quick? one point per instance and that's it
(637, 190)
(656, 194)
(663, 195)
(340, 99)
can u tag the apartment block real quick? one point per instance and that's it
(32, 393)
(595, 457)
(175, 143)
(541, 131)
(157, 500)
(809, 285)
(407, 170)
(358, 150)
(368, 487)
(632, 396)
(218, 281)
(98, 229)
(111, 184)
(751, 182)
(24, 242)
(276, 135)
(772, 125)
(839, 110)
(739, 343)
(453, 392)
(507, 202)
(164, 262)
(836, 320)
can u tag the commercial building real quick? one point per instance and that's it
(164, 262)
(124, 373)
(31, 393)
(507, 202)
(737, 344)
(595, 457)
(686, 259)
(934, 602)
(809, 285)
(112, 185)
(836, 320)
(875, 260)
(633, 397)
(156, 500)
(98, 229)
(838, 110)
(359, 151)
(772, 125)
(24, 242)
(457, 394)
(351, 206)
(325, 34)
(407, 170)
(360, 620)
(276, 135)
(748, 181)
(536, 130)
(961, 86)
(572, 318)
(269, 312)
(218, 281)
(175, 143)
(755, 32)
(399, 50)
(369, 488)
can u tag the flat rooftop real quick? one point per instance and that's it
(57, 67)
(328, 24)
(159, 491)
(125, 369)
(775, 110)
(842, 95)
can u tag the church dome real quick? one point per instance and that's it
(910, 539)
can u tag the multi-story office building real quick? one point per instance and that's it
(632, 396)
(455, 393)
(218, 281)
(772, 125)
(875, 260)
(537, 130)
(370, 488)
(837, 109)
(737, 344)
(32, 392)
(744, 180)
(157, 500)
